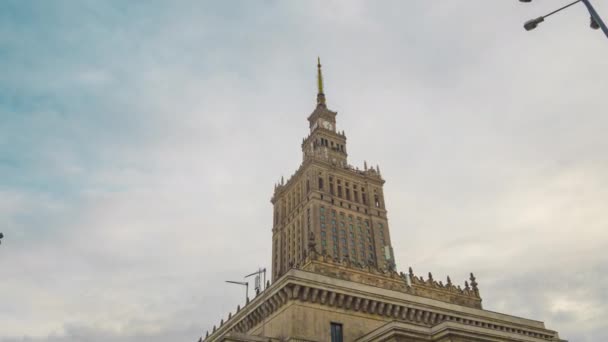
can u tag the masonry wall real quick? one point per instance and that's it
(311, 322)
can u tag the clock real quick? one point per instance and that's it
(327, 125)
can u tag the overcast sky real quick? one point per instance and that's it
(140, 142)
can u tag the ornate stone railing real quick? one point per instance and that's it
(391, 280)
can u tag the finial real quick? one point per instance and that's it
(238, 308)
(200, 339)
(466, 286)
(473, 282)
(449, 283)
(207, 334)
(320, 94)
(411, 272)
(229, 315)
(214, 328)
(365, 165)
(430, 277)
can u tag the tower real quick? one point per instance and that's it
(340, 206)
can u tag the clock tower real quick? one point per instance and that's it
(324, 141)
(339, 205)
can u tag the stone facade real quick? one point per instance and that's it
(302, 304)
(343, 206)
(333, 265)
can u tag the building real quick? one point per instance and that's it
(334, 276)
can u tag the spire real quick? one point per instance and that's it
(320, 94)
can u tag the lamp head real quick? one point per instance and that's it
(594, 24)
(533, 23)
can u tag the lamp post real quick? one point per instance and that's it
(244, 283)
(596, 20)
(1, 237)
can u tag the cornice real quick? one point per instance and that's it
(298, 286)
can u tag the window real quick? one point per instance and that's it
(320, 183)
(336, 332)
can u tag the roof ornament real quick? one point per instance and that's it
(474, 284)
(320, 94)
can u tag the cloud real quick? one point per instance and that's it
(139, 145)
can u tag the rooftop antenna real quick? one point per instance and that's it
(258, 286)
(244, 283)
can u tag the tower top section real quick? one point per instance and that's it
(320, 94)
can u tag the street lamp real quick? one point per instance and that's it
(596, 21)
(1, 237)
(244, 283)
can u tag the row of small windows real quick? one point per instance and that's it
(328, 143)
(347, 190)
(296, 196)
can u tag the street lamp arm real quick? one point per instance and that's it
(562, 8)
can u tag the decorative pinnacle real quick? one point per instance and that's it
(320, 94)
(474, 283)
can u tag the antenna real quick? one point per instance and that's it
(258, 286)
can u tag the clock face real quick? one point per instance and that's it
(327, 125)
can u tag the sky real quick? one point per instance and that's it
(140, 142)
